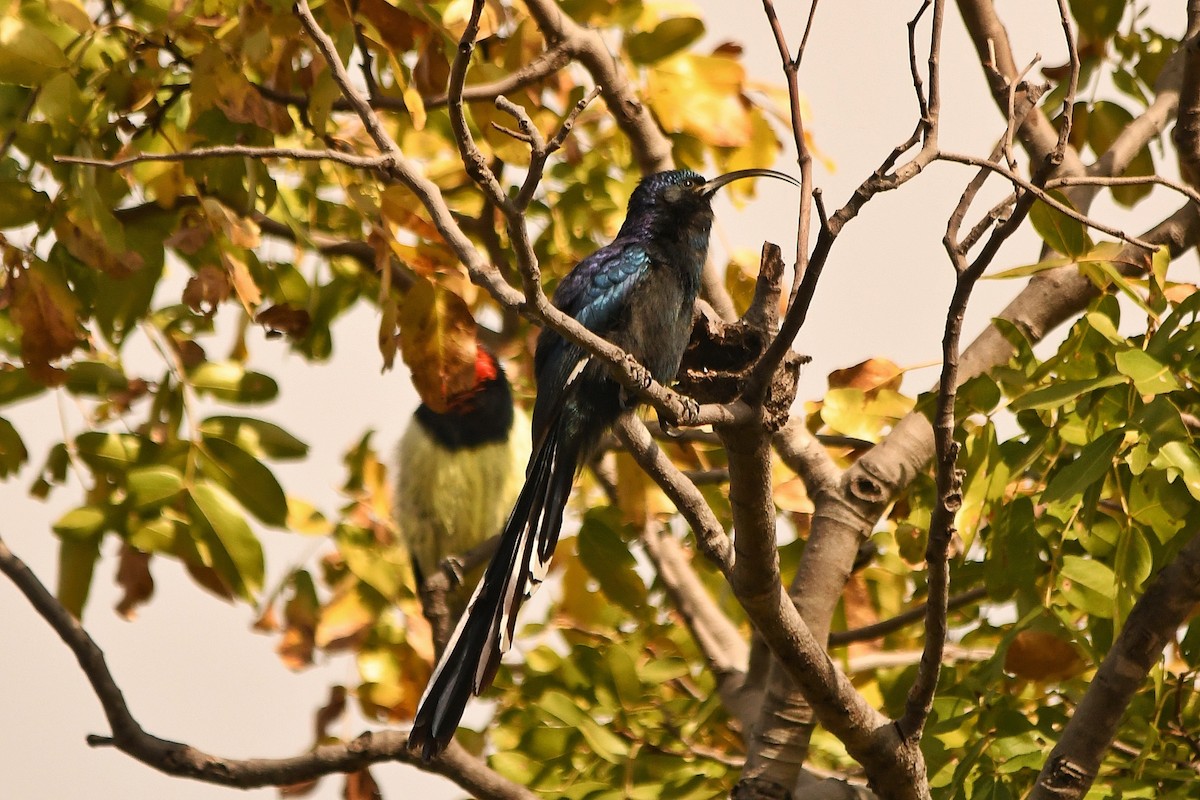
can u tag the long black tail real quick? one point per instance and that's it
(485, 632)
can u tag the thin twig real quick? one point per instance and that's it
(232, 151)
(882, 628)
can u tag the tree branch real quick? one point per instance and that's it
(651, 148)
(181, 760)
(1169, 599)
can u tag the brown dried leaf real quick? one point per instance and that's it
(870, 375)
(330, 712)
(191, 235)
(432, 72)
(300, 614)
(84, 240)
(207, 289)
(133, 576)
(860, 611)
(1041, 656)
(45, 309)
(284, 320)
(301, 789)
(397, 29)
(1178, 292)
(401, 208)
(361, 786)
(268, 620)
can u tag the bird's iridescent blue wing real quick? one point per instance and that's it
(597, 293)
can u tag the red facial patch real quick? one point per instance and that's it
(485, 367)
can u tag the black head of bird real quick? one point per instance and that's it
(482, 413)
(681, 198)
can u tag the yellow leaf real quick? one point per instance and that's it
(345, 620)
(702, 96)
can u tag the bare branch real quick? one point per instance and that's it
(175, 758)
(1046, 198)
(544, 65)
(233, 151)
(710, 536)
(651, 147)
(915, 614)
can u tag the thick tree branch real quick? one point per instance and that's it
(1169, 599)
(1187, 129)
(175, 758)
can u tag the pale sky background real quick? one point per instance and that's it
(190, 667)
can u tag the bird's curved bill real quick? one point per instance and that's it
(711, 187)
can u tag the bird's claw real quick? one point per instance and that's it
(686, 416)
(689, 415)
(453, 567)
(641, 376)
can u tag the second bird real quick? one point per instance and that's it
(639, 293)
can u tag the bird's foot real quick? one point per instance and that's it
(641, 376)
(687, 415)
(453, 567)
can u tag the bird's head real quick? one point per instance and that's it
(684, 192)
(488, 374)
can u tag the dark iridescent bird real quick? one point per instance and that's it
(639, 293)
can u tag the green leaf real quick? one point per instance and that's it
(1180, 459)
(1104, 326)
(155, 536)
(228, 380)
(236, 552)
(1149, 375)
(1060, 393)
(1062, 233)
(1031, 269)
(21, 204)
(247, 478)
(1092, 465)
(1088, 585)
(94, 378)
(1098, 18)
(81, 524)
(668, 37)
(76, 563)
(607, 558)
(1132, 567)
(603, 742)
(1013, 546)
(12, 450)
(153, 485)
(27, 56)
(15, 385)
(108, 451)
(1161, 421)
(256, 436)
(1106, 121)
